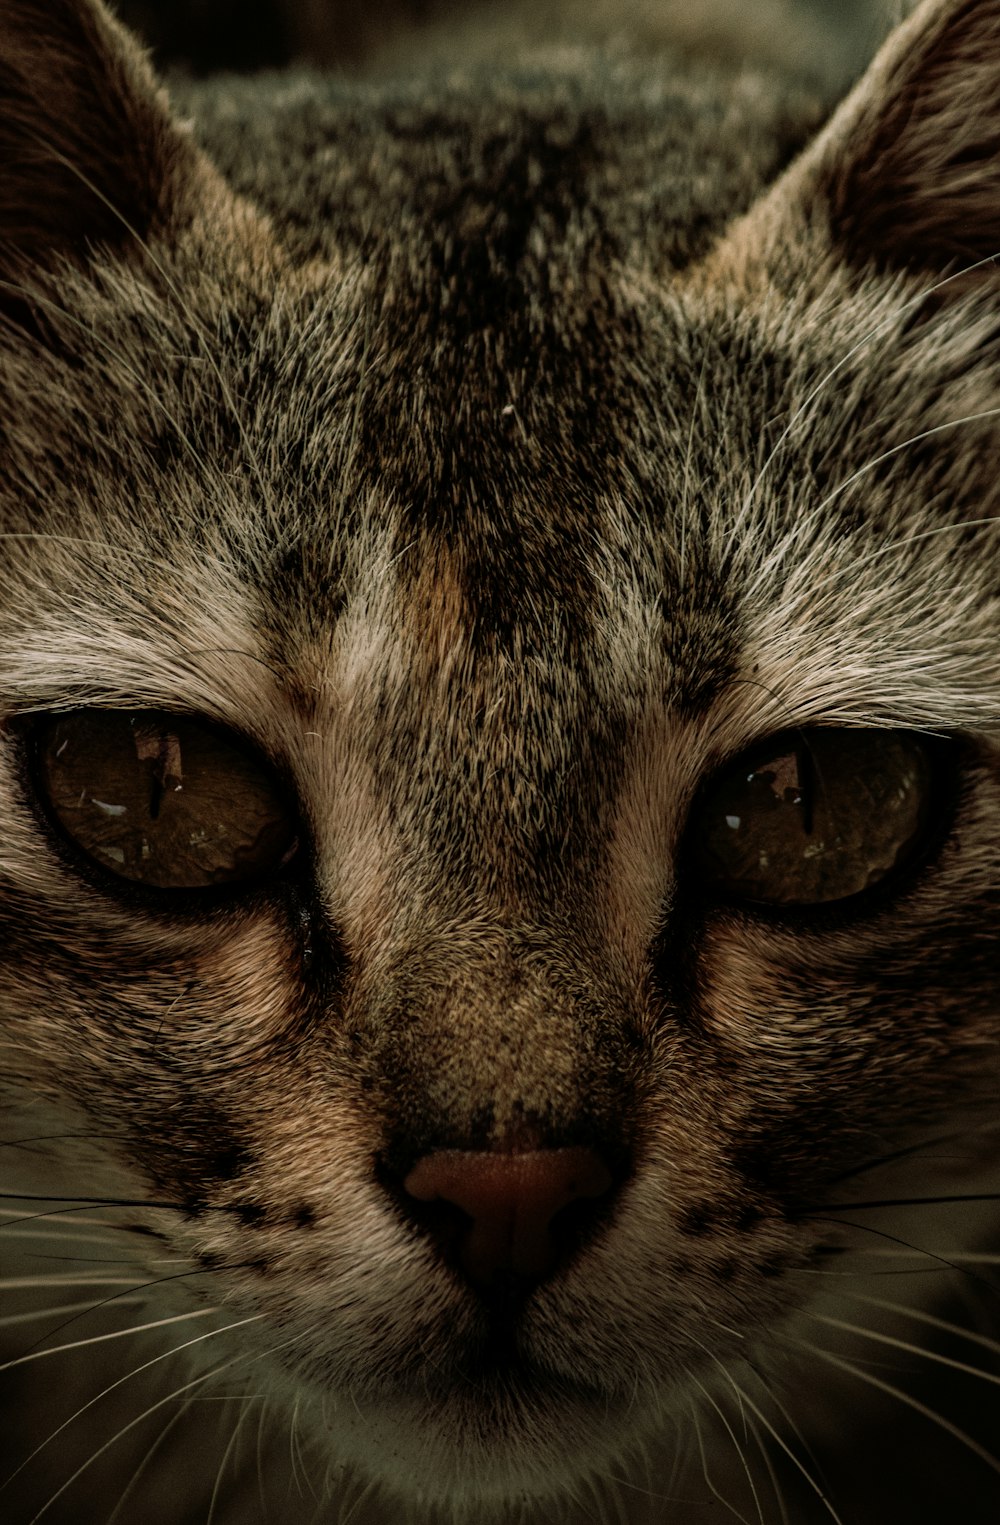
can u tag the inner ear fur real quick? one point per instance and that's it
(89, 153)
(910, 166)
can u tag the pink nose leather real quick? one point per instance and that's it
(511, 1200)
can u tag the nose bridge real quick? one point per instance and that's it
(496, 1042)
(453, 767)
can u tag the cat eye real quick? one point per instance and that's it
(162, 800)
(815, 816)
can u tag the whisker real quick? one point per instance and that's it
(933, 1321)
(779, 1440)
(921, 1150)
(259, 1455)
(27, 1196)
(731, 1508)
(915, 439)
(818, 587)
(53, 1138)
(141, 1286)
(955, 1257)
(865, 1228)
(164, 1355)
(954, 527)
(744, 1462)
(796, 1461)
(230, 1447)
(782, 1409)
(107, 1229)
(776, 1487)
(935, 1201)
(907, 1345)
(11, 1320)
(124, 1430)
(903, 1397)
(103, 1339)
(103, 1260)
(298, 1461)
(866, 1271)
(146, 1459)
(22, 1283)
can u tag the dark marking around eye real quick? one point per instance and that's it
(251, 1214)
(229, 1162)
(698, 1220)
(762, 1165)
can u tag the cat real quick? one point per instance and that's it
(500, 786)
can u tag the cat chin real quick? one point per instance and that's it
(467, 1440)
(474, 1459)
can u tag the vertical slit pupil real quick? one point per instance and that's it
(170, 801)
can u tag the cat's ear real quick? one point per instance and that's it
(89, 154)
(909, 167)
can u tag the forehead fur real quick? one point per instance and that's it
(506, 446)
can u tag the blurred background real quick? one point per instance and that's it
(202, 36)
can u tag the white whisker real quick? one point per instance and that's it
(112, 1334)
(145, 1460)
(907, 1345)
(779, 1440)
(931, 1320)
(776, 1486)
(738, 1448)
(905, 1398)
(164, 1355)
(224, 1461)
(11, 1320)
(726, 1504)
(124, 1430)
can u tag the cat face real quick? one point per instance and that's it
(499, 774)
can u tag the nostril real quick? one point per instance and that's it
(512, 1205)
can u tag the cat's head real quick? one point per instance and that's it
(498, 779)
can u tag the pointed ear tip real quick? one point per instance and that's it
(91, 151)
(907, 167)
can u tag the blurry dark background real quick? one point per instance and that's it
(206, 35)
(202, 36)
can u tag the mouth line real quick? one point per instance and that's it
(494, 1367)
(506, 1391)
(487, 1356)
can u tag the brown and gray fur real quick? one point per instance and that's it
(500, 452)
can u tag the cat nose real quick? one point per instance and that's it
(506, 1213)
